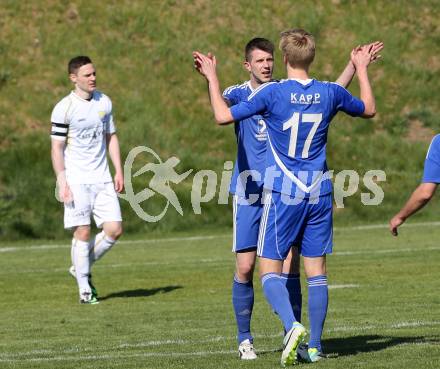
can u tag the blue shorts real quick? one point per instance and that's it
(307, 224)
(246, 223)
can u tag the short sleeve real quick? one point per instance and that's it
(431, 172)
(110, 127)
(346, 102)
(60, 121)
(231, 94)
(257, 103)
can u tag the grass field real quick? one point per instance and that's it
(165, 303)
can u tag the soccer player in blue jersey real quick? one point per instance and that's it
(247, 189)
(297, 202)
(425, 191)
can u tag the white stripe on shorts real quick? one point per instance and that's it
(234, 222)
(263, 222)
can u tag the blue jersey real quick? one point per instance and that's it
(251, 146)
(297, 115)
(431, 172)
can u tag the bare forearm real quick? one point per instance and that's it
(366, 93)
(57, 155)
(206, 65)
(419, 198)
(219, 107)
(114, 152)
(347, 75)
(412, 206)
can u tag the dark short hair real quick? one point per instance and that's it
(260, 44)
(77, 62)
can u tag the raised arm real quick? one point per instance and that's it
(361, 59)
(349, 71)
(206, 66)
(419, 198)
(347, 75)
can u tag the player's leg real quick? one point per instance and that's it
(246, 220)
(105, 240)
(277, 295)
(291, 277)
(107, 215)
(315, 269)
(77, 217)
(243, 302)
(80, 253)
(280, 226)
(104, 204)
(275, 290)
(317, 242)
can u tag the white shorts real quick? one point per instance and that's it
(100, 200)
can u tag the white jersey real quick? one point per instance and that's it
(84, 125)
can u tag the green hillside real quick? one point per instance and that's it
(142, 51)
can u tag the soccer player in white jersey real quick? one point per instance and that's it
(297, 201)
(82, 131)
(247, 186)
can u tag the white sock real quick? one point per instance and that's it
(72, 257)
(101, 245)
(81, 262)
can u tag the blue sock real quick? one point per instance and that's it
(318, 303)
(278, 298)
(293, 285)
(243, 303)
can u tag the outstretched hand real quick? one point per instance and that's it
(361, 57)
(373, 49)
(205, 64)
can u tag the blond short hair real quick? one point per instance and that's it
(298, 46)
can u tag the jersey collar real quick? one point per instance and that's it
(80, 98)
(304, 82)
(253, 89)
